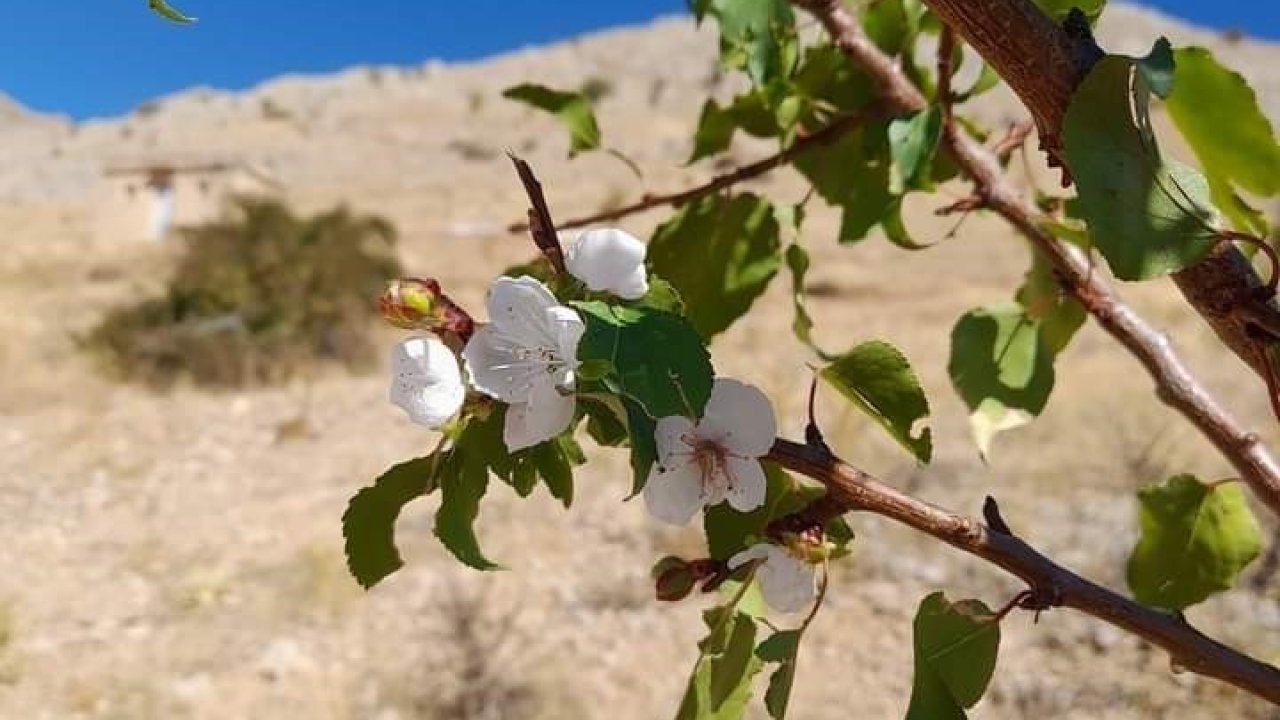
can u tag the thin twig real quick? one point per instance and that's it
(850, 489)
(826, 134)
(1175, 385)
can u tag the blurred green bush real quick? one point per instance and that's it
(256, 297)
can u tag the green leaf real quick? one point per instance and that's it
(720, 254)
(893, 24)
(729, 531)
(663, 296)
(714, 133)
(720, 685)
(644, 449)
(658, 358)
(1157, 68)
(169, 12)
(1218, 113)
(368, 525)
(780, 647)
(463, 479)
(827, 77)
(1196, 539)
(1058, 9)
(955, 656)
(853, 174)
(1147, 216)
(754, 34)
(1044, 300)
(912, 144)
(797, 259)
(572, 109)
(877, 378)
(606, 418)
(1001, 368)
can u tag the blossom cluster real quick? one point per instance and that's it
(526, 356)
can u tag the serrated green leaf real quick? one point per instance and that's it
(463, 480)
(1195, 540)
(714, 133)
(572, 109)
(912, 144)
(1218, 113)
(853, 174)
(368, 525)
(1147, 216)
(736, 664)
(606, 418)
(663, 296)
(757, 32)
(1001, 368)
(658, 358)
(877, 378)
(720, 254)
(955, 656)
(555, 466)
(169, 12)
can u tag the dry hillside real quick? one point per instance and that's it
(179, 555)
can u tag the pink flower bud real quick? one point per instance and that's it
(673, 579)
(418, 304)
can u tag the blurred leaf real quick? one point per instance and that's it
(797, 259)
(720, 685)
(1044, 300)
(368, 525)
(987, 78)
(876, 377)
(955, 656)
(1196, 539)
(644, 449)
(169, 12)
(853, 174)
(714, 132)
(1058, 9)
(719, 253)
(571, 108)
(729, 531)
(912, 144)
(1001, 368)
(658, 358)
(1147, 216)
(781, 647)
(758, 31)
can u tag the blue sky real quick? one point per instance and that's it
(93, 58)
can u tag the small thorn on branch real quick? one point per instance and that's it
(991, 514)
(812, 433)
(541, 227)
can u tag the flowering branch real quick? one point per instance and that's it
(805, 142)
(850, 489)
(1210, 285)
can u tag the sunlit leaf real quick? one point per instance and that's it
(912, 144)
(1196, 539)
(1146, 215)
(879, 380)
(757, 31)
(955, 656)
(169, 12)
(720, 254)
(714, 132)
(853, 174)
(572, 109)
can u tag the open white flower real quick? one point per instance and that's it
(787, 582)
(610, 261)
(526, 357)
(715, 459)
(425, 380)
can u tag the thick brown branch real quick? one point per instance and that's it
(827, 134)
(850, 489)
(1175, 384)
(1043, 63)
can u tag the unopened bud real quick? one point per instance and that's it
(418, 304)
(673, 579)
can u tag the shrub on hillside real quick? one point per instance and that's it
(255, 297)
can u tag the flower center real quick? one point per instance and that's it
(710, 458)
(540, 356)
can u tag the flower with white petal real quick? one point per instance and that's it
(426, 381)
(787, 582)
(716, 459)
(526, 356)
(609, 260)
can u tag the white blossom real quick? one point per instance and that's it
(526, 356)
(787, 582)
(425, 380)
(609, 260)
(716, 459)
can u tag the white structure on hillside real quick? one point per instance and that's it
(147, 199)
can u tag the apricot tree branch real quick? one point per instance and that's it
(1175, 385)
(822, 136)
(850, 489)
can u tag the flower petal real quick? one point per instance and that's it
(567, 327)
(739, 417)
(609, 260)
(674, 495)
(669, 436)
(759, 551)
(747, 483)
(425, 381)
(517, 307)
(546, 415)
(496, 370)
(787, 583)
